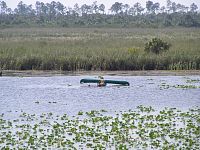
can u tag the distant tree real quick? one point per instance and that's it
(9, 11)
(86, 9)
(38, 8)
(117, 7)
(41, 12)
(149, 6)
(95, 8)
(83, 9)
(186, 9)
(162, 9)
(155, 7)
(60, 9)
(44, 9)
(167, 20)
(52, 9)
(126, 8)
(102, 8)
(24, 10)
(132, 11)
(138, 8)
(3, 6)
(188, 21)
(193, 7)
(169, 6)
(77, 9)
(30, 10)
(173, 7)
(179, 7)
(56, 14)
(20, 8)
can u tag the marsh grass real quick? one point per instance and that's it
(143, 128)
(97, 49)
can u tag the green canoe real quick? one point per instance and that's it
(125, 83)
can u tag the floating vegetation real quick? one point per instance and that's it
(190, 84)
(186, 86)
(52, 102)
(192, 81)
(143, 128)
(166, 86)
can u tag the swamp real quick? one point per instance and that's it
(99, 77)
(56, 112)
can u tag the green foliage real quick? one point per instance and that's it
(156, 46)
(55, 14)
(142, 128)
(74, 49)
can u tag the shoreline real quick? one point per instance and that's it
(40, 73)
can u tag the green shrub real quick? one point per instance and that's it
(156, 46)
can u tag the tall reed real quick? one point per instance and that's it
(97, 49)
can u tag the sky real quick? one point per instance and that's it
(108, 3)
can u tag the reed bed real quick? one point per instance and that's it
(72, 49)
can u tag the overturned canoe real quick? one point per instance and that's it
(125, 83)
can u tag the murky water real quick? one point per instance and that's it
(64, 94)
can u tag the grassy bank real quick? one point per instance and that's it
(143, 128)
(97, 49)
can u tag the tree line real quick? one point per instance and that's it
(118, 15)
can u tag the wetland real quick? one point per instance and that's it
(57, 112)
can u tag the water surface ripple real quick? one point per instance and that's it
(64, 94)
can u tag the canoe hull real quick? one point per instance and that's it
(125, 83)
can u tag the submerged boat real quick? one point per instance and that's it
(125, 83)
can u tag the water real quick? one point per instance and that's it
(64, 94)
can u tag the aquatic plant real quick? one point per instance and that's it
(179, 86)
(193, 80)
(141, 128)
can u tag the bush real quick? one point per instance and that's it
(156, 46)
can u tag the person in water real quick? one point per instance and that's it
(101, 81)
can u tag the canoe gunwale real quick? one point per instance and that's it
(125, 83)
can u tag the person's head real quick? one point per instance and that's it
(100, 77)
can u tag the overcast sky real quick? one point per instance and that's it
(13, 3)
